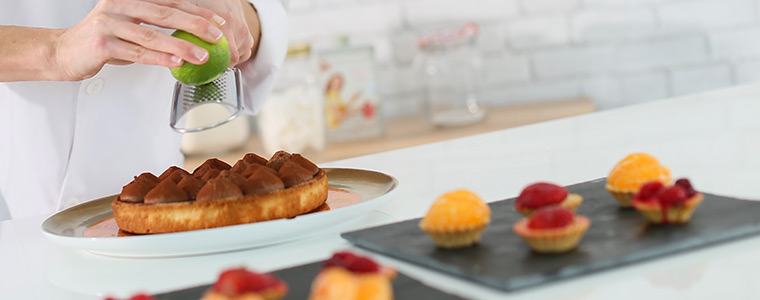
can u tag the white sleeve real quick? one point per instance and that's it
(260, 73)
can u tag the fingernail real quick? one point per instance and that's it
(176, 59)
(200, 54)
(216, 33)
(219, 20)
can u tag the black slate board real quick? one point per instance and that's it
(299, 284)
(618, 236)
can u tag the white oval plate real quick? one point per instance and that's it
(66, 227)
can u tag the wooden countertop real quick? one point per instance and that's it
(412, 131)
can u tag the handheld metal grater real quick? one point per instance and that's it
(226, 90)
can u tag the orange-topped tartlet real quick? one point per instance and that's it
(661, 204)
(347, 276)
(552, 230)
(456, 219)
(628, 175)
(543, 194)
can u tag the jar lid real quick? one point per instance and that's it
(448, 35)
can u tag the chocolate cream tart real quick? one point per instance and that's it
(216, 194)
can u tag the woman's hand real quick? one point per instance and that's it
(111, 32)
(236, 29)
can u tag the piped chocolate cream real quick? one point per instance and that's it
(217, 189)
(233, 177)
(252, 158)
(292, 174)
(166, 192)
(210, 174)
(240, 166)
(304, 163)
(175, 174)
(190, 185)
(278, 159)
(210, 164)
(135, 191)
(148, 176)
(255, 168)
(261, 181)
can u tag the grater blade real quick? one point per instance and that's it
(225, 91)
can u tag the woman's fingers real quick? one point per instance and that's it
(234, 52)
(192, 9)
(155, 40)
(244, 56)
(122, 50)
(167, 16)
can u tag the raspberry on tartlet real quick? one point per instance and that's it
(456, 219)
(629, 174)
(553, 229)
(543, 194)
(243, 284)
(661, 204)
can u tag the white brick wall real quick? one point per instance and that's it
(504, 68)
(540, 6)
(744, 42)
(707, 14)
(542, 91)
(427, 11)
(620, 3)
(748, 72)
(613, 24)
(616, 52)
(350, 19)
(538, 31)
(660, 53)
(643, 87)
(698, 79)
(573, 61)
(605, 90)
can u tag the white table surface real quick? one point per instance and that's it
(712, 138)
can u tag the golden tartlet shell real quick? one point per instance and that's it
(453, 238)
(622, 196)
(556, 240)
(144, 218)
(676, 214)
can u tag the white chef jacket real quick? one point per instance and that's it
(63, 143)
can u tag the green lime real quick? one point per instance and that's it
(218, 60)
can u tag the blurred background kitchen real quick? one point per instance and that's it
(506, 62)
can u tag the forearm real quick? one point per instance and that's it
(254, 25)
(28, 53)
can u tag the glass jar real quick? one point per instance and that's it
(292, 118)
(450, 69)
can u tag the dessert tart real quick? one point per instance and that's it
(661, 204)
(216, 194)
(347, 276)
(456, 219)
(543, 194)
(553, 229)
(628, 175)
(243, 284)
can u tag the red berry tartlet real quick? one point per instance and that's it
(552, 230)
(347, 276)
(242, 284)
(542, 194)
(662, 204)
